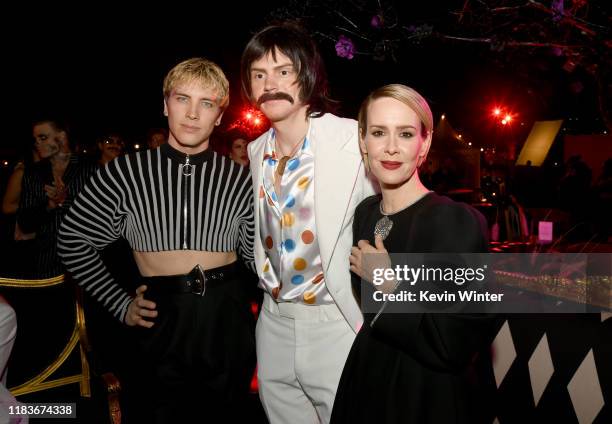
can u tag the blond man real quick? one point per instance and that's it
(187, 214)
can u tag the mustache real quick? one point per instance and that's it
(279, 95)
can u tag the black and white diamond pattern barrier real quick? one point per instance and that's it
(554, 368)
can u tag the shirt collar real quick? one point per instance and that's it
(176, 155)
(270, 149)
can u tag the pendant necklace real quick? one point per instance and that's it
(385, 224)
(282, 162)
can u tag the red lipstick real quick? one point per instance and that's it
(390, 165)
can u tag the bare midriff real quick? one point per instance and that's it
(174, 262)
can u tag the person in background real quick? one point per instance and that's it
(238, 151)
(156, 137)
(18, 244)
(110, 146)
(47, 191)
(10, 201)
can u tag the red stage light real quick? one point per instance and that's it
(251, 122)
(502, 115)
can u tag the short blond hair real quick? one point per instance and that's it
(402, 93)
(200, 70)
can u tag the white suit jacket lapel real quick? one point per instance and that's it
(337, 162)
(256, 152)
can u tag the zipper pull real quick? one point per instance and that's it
(187, 167)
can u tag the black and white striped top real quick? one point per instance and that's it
(158, 200)
(34, 216)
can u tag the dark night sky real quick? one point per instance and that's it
(104, 69)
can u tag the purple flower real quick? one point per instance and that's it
(345, 47)
(376, 21)
(557, 9)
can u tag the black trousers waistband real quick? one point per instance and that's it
(197, 281)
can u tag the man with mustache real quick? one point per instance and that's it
(307, 179)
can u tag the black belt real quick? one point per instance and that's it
(197, 281)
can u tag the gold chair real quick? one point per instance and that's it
(78, 340)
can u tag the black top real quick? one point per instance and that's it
(432, 224)
(414, 368)
(158, 200)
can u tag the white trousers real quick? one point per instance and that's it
(301, 351)
(8, 331)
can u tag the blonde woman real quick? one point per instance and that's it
(408, 368)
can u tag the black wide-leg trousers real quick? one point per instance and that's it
(195, 364)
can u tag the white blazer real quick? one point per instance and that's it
(340, 185)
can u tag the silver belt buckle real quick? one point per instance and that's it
(199, 281)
